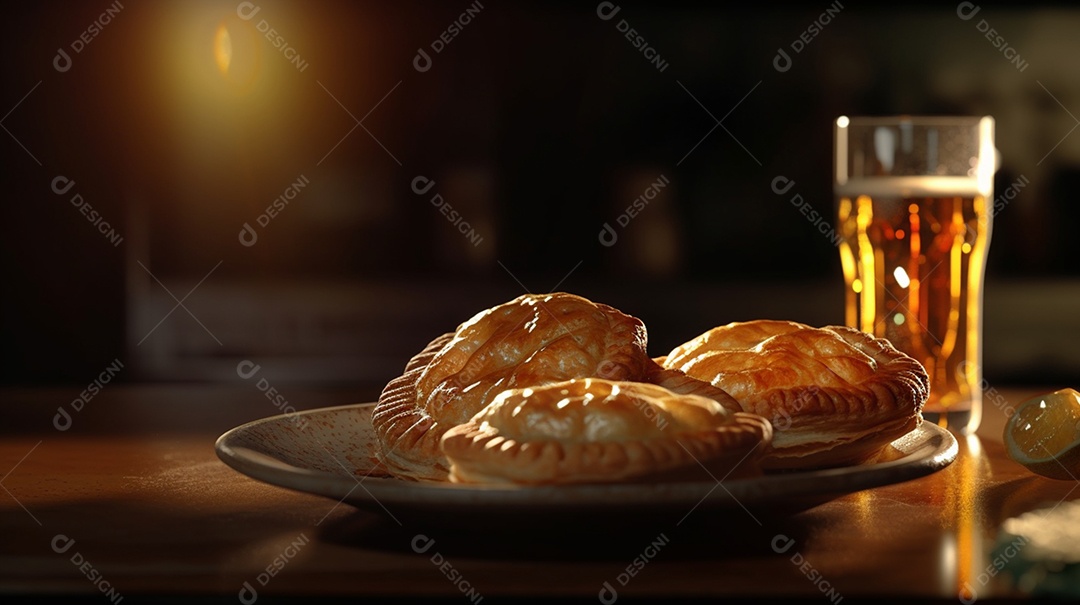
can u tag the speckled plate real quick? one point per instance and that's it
(331, 452)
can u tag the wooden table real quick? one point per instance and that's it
(131, 500)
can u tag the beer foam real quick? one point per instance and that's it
(911, 186)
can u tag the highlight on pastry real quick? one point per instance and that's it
(530, 341)
(835, 395)
(596, 430)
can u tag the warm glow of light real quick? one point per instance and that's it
(975, 281)
(237, 55)
(899, 234)
(843, 121)
(963, 498)
(223, 48)
(868, 258)
(966, 247)
(915, 254)
(847, 261)
(956, 286)
(901, 276)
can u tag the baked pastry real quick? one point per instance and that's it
(835, 395)
(530, 341)
(596, 430)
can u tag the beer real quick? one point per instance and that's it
(913, 252)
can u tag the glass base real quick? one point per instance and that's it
(963, 422)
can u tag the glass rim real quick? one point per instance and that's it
(844, 121)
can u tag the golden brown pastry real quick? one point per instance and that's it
(529, 341)
(835, 395)
(595, 430)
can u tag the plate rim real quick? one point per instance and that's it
(822, 483)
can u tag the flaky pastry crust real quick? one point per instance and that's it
(596, 430)
(835, 395)
(530, 341)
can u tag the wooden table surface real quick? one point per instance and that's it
(131, 501)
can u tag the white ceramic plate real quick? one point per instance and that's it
(331, 452)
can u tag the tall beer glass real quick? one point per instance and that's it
(913, 196)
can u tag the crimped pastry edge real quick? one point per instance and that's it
(408, 437)
(484, 456)
(810, 429)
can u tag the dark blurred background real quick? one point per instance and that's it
(180, 122)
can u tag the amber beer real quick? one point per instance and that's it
(913, 250)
